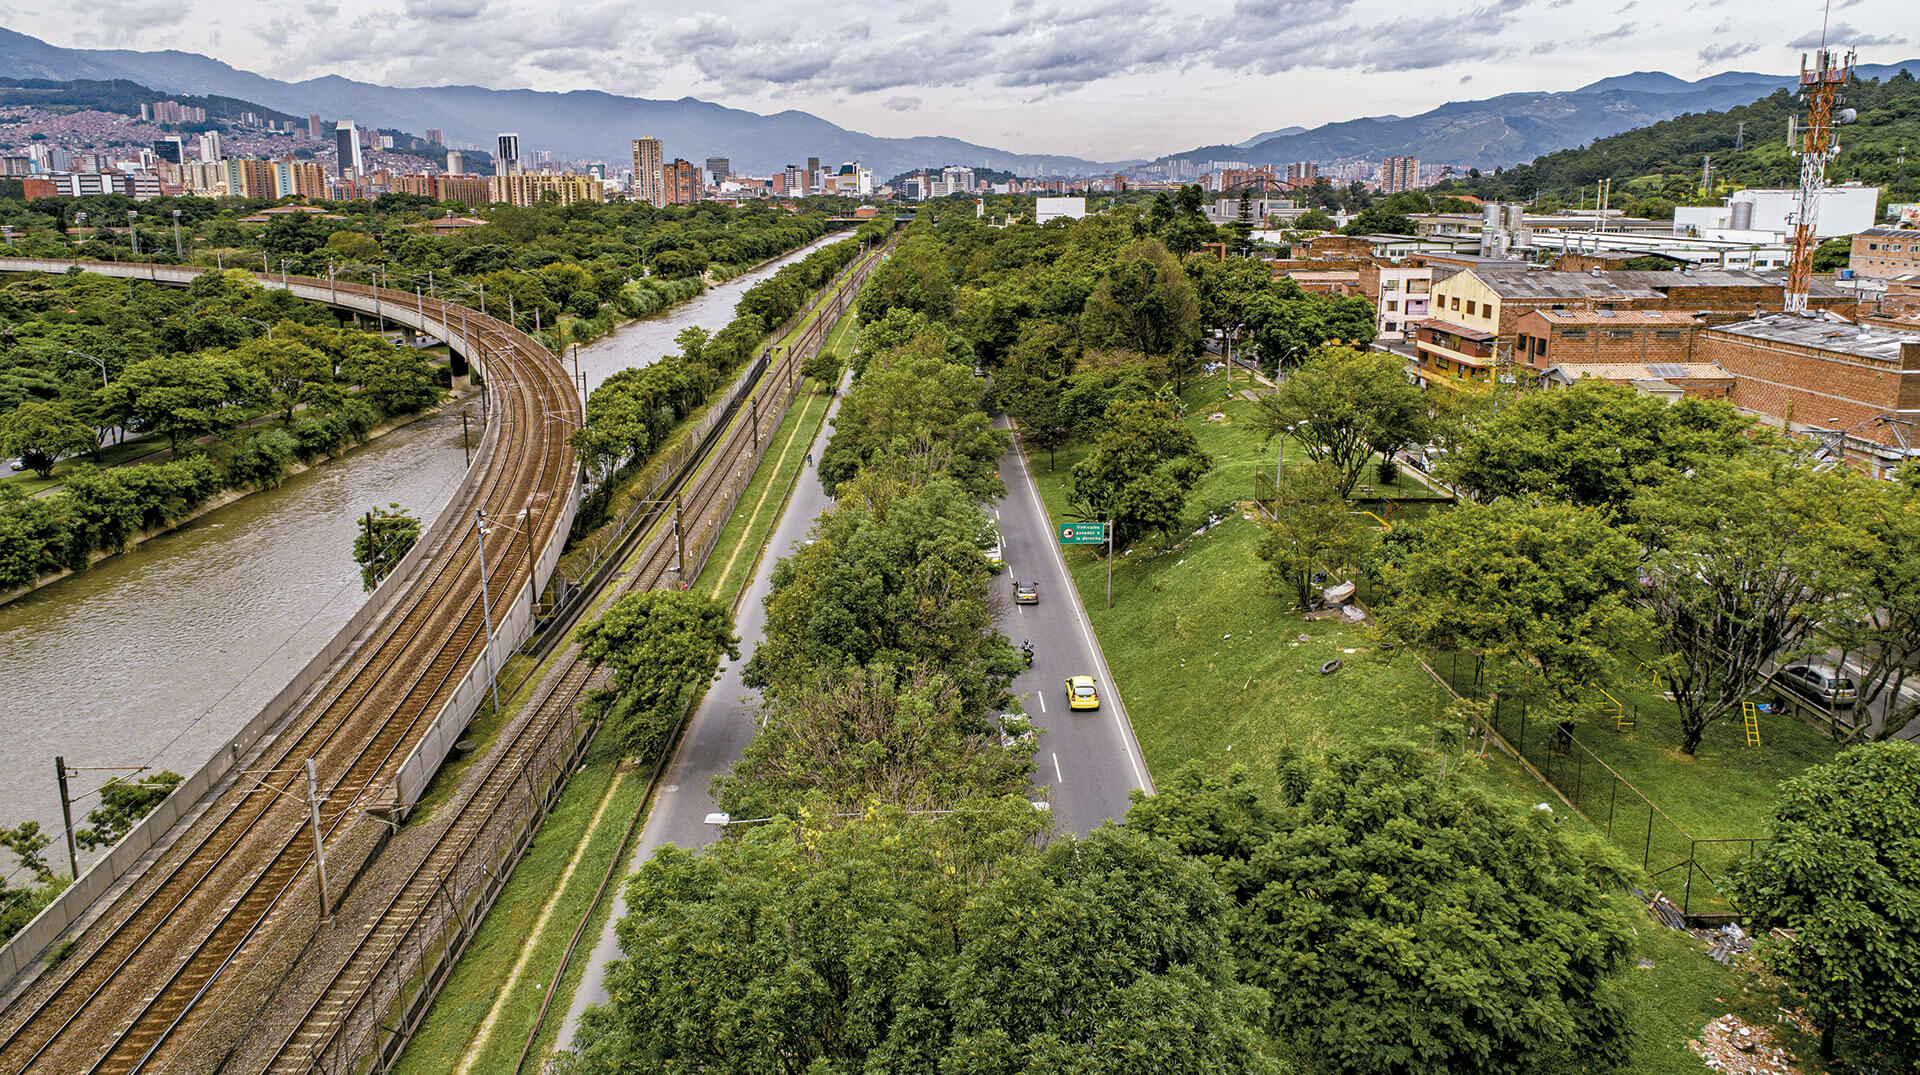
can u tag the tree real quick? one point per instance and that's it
(1741, 559)
(1312, 530)
(664, 646)
(1593, 443)
(1144, 463)
(1544, 585)
(41, 432)
(1313, 220)
(911, 402)
(1879, 617)
(1109, 954)
(183, 398)
(1346, 407)
(1146, 304)
(397, 380)
(818, 945)
(1405, 922)
(1840, 873)
(385, 536)
(289, 366)
(824, 369)
(123, 803)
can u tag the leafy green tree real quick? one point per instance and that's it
(289, 367)
(1313, 220)
(914, 277)
(384, 538)
(123, 802)
(1143, 464)
(1405, 922)
(664, 647)
(1593, 443)
(824, 369)
(1543, 585)
(1741, 560)
(1346, 407)
(914, 403)
(1840, 873)
(183, 398)
(29, 845)
(846, 736)
(1878, 617)
(1312, 530)
(41, 432)
(1108, 954)
(396, 380)
(1146, 304)
(822, 945)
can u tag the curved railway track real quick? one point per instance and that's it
(341, 1023)
(135, 984)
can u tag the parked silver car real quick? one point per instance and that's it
(1822, 684)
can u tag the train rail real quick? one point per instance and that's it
(140, 981)
(358, 1019)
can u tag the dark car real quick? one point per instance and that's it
(1026, 593)
(1822, 684)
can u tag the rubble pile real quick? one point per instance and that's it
(1729, 1045)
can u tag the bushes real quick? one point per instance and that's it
(100, 510)
(263, 460)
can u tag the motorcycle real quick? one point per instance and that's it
(1026, 650)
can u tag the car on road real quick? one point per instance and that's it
(1026, 593)
(1081, 693)
(1821, 684)
(996, 555)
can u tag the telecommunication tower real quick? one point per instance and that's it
(1818, 145)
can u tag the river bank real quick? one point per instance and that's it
(232, 496)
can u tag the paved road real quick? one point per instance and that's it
(1088, 761)
(714, 738)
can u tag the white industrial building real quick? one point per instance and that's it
(1760, 215)
(1045, 209)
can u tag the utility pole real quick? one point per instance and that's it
(66, 814)
(486, 603)
(319, 844)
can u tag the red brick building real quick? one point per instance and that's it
(1855, 386)
(1885, 252)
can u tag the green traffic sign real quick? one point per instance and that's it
(1083, 533)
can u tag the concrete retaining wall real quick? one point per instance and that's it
(20, 953)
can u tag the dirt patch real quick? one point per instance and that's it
(1729, 1045)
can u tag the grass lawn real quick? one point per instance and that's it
(1215, 668)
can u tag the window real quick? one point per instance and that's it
(1456, 302)
(1619, 334)
(1418, 287)
(1393, 305)
(1393, 326)
(1574, 334)
(1667, 334)
(1389, 285)
(1469, 307)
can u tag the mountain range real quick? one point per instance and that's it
(1509, 129)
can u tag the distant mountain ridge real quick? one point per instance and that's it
(579, 123)
(1515, 128)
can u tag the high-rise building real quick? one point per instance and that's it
(507, 161)
(434, 138)
(718, 168)
(346, 140)
(812, 176)
(649, 171)
(167, 149)
(313, 127)
(298, 178)
(1399, 174)
(1303, 172)
(682, 182)
(249, 178)
(796, 180)
(210, 146)
(456, 162)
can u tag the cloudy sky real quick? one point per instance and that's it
(1093, 79)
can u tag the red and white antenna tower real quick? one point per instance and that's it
(1821, 85)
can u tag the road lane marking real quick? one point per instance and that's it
(1042, 699)
(1057, 777)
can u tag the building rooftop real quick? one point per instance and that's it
(1891, 233)
(1674, 318)
(1462, 331)
(1511, 280)
(1827, 333)
(1643, 371)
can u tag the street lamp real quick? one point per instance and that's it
(486, 603)
(132, 232)
(178, 256)
(256, 321)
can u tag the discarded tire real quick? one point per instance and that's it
(1330, 667)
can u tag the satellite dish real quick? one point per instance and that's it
(1847, 115)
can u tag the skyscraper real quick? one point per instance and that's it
(813, 175)
(167, 149)
(649, 171)
(434, 137)
(507, 161)
(346, 139)
(1398, 174)
(210, 146)
(313, 127)
(718, 168)
(456, 162)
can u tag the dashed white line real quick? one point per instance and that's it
(1042, 699)
(1058, 778)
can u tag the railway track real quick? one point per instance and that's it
(138, 983)
(358, 1020)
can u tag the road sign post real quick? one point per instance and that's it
(1091, 534)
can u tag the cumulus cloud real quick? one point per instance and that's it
(931, 11)
(902, 104)
(1845, 36)
(1730, 50)
(445, 10)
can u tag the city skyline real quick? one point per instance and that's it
(1052, 78)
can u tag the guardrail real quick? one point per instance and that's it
(26, 946)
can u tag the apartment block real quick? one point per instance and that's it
(680, 182)
(1886, 252)
(649, 171)
(531, 188)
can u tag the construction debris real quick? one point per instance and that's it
(1729, 1045)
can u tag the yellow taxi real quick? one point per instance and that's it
(1080, 693)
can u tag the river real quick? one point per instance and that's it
(157, 657)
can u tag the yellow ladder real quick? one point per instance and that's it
(1612, 708)
(1748, 710)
